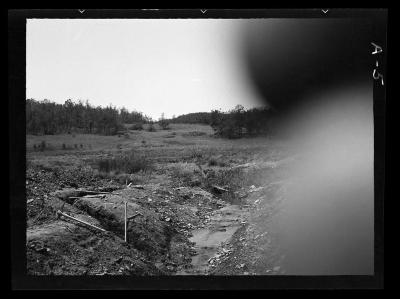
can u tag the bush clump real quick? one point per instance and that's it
(216, 162)
(42, 145)
(136, 127)
(125, 163)
(151, 128)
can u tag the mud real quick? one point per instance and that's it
(221, 226)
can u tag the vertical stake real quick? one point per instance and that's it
(126, 204)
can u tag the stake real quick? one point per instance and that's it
(126, 205)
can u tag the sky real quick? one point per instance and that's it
(171, 66)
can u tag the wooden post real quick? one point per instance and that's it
(126, 205)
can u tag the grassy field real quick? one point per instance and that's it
(181, 143)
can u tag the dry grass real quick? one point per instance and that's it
(106, 153)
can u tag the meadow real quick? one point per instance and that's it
(180, 143)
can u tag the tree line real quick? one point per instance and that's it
(240, 122)
(46, 117)
(193, 118)
(235, 123)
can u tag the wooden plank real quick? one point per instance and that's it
(80, 221)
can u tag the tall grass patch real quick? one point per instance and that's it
(130, 162)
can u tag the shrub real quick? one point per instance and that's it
(185, 173)
(125, 163)
(164, 124)
(232, 179)
(195, 133)
(136, 127)
(42, 145)
(75, 146)
(215, 162)
(151, 128)
(195, 154)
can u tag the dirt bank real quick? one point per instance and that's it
(159, 228)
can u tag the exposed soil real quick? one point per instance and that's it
(158, 234)
(180, 223)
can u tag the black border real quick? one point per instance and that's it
(17, 148)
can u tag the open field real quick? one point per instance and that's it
(194, 198)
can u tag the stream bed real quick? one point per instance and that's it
(221, 226)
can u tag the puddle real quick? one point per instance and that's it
(223, 224)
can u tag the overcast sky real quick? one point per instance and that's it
(173, 66)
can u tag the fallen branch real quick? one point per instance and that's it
(137, 186)
(131, 217)
(95, 196)
(80, 221)
(83, 197)
(94, 192)
(219, 189)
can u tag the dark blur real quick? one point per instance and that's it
(317, 75)
(290, 59)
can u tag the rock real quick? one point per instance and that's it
(118, 260)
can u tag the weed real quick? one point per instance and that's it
(215, 162)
